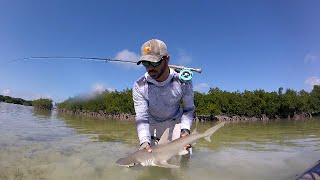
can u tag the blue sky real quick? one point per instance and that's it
(239, 44)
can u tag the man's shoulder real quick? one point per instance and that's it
(140, 80)
(140, 83)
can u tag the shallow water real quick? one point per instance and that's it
(45, 145)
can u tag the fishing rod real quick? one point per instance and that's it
(185, 73)
(198, 70)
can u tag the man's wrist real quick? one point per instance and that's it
(185, 131)
(144, 144)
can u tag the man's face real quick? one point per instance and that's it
(157, 72)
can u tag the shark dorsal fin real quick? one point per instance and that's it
(165, 137)
(194, 131)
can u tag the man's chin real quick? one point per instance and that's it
(153, 75)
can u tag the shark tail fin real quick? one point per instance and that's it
(212, 130)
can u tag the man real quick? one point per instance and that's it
(157, 96)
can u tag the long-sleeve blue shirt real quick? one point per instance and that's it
(160, 101)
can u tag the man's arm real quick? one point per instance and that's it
(188, 106)
(142, 117)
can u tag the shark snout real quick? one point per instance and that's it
(127, 161)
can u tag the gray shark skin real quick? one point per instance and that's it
(166, 149)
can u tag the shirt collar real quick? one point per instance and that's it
(163, 83)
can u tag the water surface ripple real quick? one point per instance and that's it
(46, 145)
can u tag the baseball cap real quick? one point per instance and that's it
(153, 50)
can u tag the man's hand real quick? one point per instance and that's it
(185, 132)
(146, 146)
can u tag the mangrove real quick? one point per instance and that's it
(216, 104)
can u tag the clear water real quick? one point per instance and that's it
(45, 145)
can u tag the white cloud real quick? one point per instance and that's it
(6, 92)
(310, 58)
(98, 87)
(312, 81)
(38, 96)
(183, 57)
(128, 56)
(202, 87)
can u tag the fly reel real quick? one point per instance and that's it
(185, 75)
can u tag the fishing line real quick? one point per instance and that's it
(11, 61)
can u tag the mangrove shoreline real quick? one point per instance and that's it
(103, 115)
(216, 105)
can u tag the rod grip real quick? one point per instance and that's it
(198, 70)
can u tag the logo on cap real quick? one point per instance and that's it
(146, 49)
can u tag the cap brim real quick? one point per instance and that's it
(150, 58)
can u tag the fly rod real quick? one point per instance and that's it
(185, 73)
(198, 70)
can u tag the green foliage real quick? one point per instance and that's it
(119, 102)
(282, 103)
(315, 99)
(272, 104)
(45, 104)
(112, 102)
(13, 100)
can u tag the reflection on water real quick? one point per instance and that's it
(45, 145)
(104, 130)
(45, 114)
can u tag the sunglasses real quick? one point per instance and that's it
(154, 64)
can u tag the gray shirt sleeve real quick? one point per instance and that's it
(188, 106)
(142, 116)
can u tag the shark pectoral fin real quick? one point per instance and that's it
(165, 137)
(183, 152)
(208, 138)
(165, 164)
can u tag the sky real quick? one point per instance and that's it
(240, 45)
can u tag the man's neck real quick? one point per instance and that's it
(164, 76)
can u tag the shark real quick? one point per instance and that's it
(166, 149)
